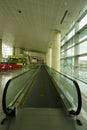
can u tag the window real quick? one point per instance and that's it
(6, 50)
(71, 34)
(62, 42)
(83, 35)
(82, 67)
(74, 51)
(82, 61)
(70, 52)
(71, 43)
(74, 61)
(83, 22)
(82, 48)
(62, 54)
(69, 65)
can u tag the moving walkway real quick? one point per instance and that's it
(41, 99)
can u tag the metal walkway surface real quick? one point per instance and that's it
(41, 119)
(43, 93)
(41, 108)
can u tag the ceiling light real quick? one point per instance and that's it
(64, 16)
(19, 11)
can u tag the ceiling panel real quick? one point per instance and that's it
(29, 24)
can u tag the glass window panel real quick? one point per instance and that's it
(63, 47)
(83, 22)
(70, 52)
(69, 65)
(83, 35)
(62, 42)
(70, 61)
(71, 34)
(82, 69)
(82, 61)
(62, 54)
(62, 65)
(70, 43)
(82, 48)
(82, 74)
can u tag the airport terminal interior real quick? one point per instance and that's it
(43, 64)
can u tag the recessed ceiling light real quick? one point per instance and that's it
(19, 11)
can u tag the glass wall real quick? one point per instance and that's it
(74, 50)
(83, 22)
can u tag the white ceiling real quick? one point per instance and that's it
(32, 29)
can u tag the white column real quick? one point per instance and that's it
(49, 57)
(56, 51)
(0, 50)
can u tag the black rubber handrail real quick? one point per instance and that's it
(9, 111)
(73, 112)
(78, 95)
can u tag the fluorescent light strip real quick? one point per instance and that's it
(64, 16)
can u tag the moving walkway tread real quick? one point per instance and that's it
(43, 93)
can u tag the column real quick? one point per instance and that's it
(49, 57)
(56, 50)
(0, 50)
